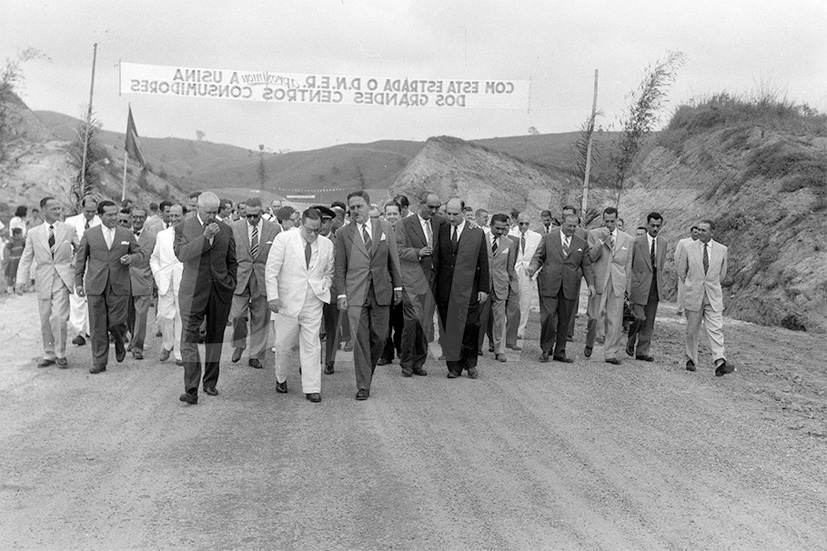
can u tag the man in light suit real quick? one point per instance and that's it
(703, 267)
(108, 250)
(140, 277)
(78, 310)
(610, 251)
(529, 241)
(463, 284)
(416, 240)
(679, 251)
(645, 286)
(167, 270)
(367, 277)
(206, 247)
(564, 259)
(50, 246)
(253, 238)
(502, 255)
(298, 276)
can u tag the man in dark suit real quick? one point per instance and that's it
(645, 286)
(207, 249)
(253, 238)
(581, 232)
(417, 240)
(563, 257)
(107, 251)
(142, 282)
(332, 317)
(463, 282)
(368, 281)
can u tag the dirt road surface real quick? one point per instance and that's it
(530, 456)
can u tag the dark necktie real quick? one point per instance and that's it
(307, 254)
(522, 243)
(494, 246)
(611, 242)
(652, 256)
(706, 259)
(52, 240)
(254, 243)
(454, 238)
(86, 227)
(137, 233)
(366, 237)
(566, 245)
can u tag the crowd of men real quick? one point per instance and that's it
(358, 276)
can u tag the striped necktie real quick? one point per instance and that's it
(52, 240)
(366, 237)
(706, 259)
(254, 242)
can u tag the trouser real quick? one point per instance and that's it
(54, 313)
(414, 350)
(460, 343)
(107, 314)
(169, 320)
(606, 309)
(492, 318)
(644, 325)
(528, 288)
(555, 313)
(214, 309)
(575, 307)
(255, 309)
(136, 320)
(680, 295)
(334, 322)
(396, 325)
(371, 323)
(303, 330)
(78, 315)
(714, 323)
(512, 316)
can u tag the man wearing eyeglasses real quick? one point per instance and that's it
(253, 237)
(528, 242)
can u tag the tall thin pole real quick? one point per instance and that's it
(584, 205)
(125, 162)
(88, 123)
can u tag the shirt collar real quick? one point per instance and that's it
(461, 226)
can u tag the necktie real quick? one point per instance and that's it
(86, 227)
(652, 256)
(522, 243)
(52, 240)
(566, 244)
(429, 233)
(454, 238)
(494, 246)
(366, 237)
(611, 242)
(307, 254)
(706, 259)
(137, 233)
(254, 242)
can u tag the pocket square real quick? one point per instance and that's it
(383, 238)
(269, 243)
(579, 250)
(125, 243)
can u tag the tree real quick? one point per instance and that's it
(199, 135)
(95, 154)
(262, 171)
(643, 114)
(533, 131)
(11, 83)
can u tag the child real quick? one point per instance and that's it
(14, 250)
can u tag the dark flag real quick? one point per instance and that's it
(133, 143)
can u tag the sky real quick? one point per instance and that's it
(736, 46)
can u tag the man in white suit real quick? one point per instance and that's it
(528, 240)
(167, 270)
(50, 245)
(298, 276)
(79, 313)
(679, 250)
(610, 251)
(702, 267)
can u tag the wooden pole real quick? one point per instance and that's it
(123, 187)
(585, 203)
(88, 123)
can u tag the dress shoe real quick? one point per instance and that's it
(348, 347)
(383, 361)
(79, 340)
(62, 363)
(137, 354)
(362, 395)
(630, 348)
(420, 372)
(46, 362)
(645, 358)
(472, 373)
(281, 388)
(179, 363)
(95, 369)
(491, 348)
(189, 399)
(328, 369)
(563, 358)
(210, 391)
(613, 361)
(724, 368)
(314, 397)
(236, 355)
(407, 373)
(120, 352)
(479, 353)
(587, 351)
(202, 338)
(690, 365)
(255, 363)
(514, 347)
(129, 347)
(543, 357)
(500, 358)
(452, 374)
(164, 354)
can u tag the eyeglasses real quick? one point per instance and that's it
(523, 223)
(317, 231)
(253, 215)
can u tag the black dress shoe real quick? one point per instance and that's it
(314, 397)
(62, 363)
(97, 369)
(79, 341)
(362, 395)
(255, 363)
(724, 368)
(563, 358)
(179, 363)
(348, 347)
(189, 398)
(407, 373)
(472, 373)
(630, 348)
(479, 352)
(543, 358)
(137, 354)
(613, 361)
(452, 374)
(328, 369)
(210, 391)
(383, 361)
(500, 358)
(645, 358)
(120, 352)
(45, 362)
(419, 371)
(587, 351)
(129, 347)
(690, 365)
(281, 388)
(236, 355)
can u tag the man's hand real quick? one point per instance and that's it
(592, 290)
(126, 259)
(482, 296)
(397, 297)
(81, 292)
(211, 230)
(342, 303)
(425, 251)
(22, 288)
(275, 304)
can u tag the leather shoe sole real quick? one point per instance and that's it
(645, 358)
(314, 397)
(189, 399)
(613, 361)
(587, 351)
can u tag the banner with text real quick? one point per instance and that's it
(161, 80)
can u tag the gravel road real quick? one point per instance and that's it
(530, 456)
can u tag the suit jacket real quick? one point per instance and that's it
(78, 222)
(532, 241)
(140, 272)
(48, 268)
(418, 274)
(501, 265)
(560, 270)
(287, 274)
(104, 265)
(356, 267)
(204, 263)
(696, 283)
(680, 248)
(463, 273)
(605, 261)
(247, 265)
(166, 268)
(641, 276)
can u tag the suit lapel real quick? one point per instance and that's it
(358, 244)
(418, 228)
(377, 230)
